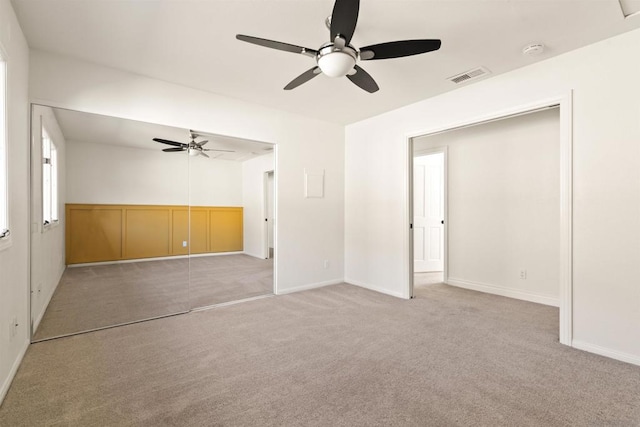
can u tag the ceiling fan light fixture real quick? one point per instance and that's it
(336, 63)
(338, 57)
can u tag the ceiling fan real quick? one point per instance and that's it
(194, 148)
(338, 57)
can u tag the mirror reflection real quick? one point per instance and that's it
(228, 205)
(126, 228)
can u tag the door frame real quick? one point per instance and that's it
(425, 152)
(265, 211)
(565, 104)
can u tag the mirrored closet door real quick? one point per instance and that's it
(132, 221)
(109, 222)
(229, 258)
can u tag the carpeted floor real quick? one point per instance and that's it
(218, 279)
(335, 356)
(427, 279)
(98, 296)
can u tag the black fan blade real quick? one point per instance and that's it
(303, 78)
(170, 150)
(276, 45)
(398, 49)
(344, 18)
(215, 149)
(200, 153)
(166, 141)
(362, 79)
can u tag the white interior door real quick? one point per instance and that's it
(428, 211)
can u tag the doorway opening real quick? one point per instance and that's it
(561, 212)
(429, 174)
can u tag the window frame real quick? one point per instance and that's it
(50, 196)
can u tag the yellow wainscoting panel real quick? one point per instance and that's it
(93, 234)
(200, 230)
(180, 227)
(147, 232)
(117, 232)
(225, 229)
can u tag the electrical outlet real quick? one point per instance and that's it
(523, 274)
(184, 243)
(326, 264)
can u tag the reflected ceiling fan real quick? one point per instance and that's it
(194, 148)
(338, 57)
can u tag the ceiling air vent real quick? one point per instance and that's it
(469, 75)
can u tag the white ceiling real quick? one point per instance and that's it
(193, 43)
(97, 129)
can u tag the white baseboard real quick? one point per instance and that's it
(607, 352)
(374, 288)
(505, 292)
(127, 261)
(214, 254)
(162, 258)
(308, 286)
(12, 373)
(254, 255)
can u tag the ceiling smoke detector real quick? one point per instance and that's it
(533, 49)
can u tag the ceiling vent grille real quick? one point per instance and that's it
(469, 75)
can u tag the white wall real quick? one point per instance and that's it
(606, 182)
(111, 174)
(253, 195)
(504, 205)
(14, 274)
(114, 174)
(309, 231)
(215, 182)
(47, 243)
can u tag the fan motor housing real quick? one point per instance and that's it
(336, 62)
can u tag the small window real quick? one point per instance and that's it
(49, 179)
(4, 172)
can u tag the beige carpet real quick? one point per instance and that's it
(218, 279)
(99, 296)
(336, 356)
(427, 279)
